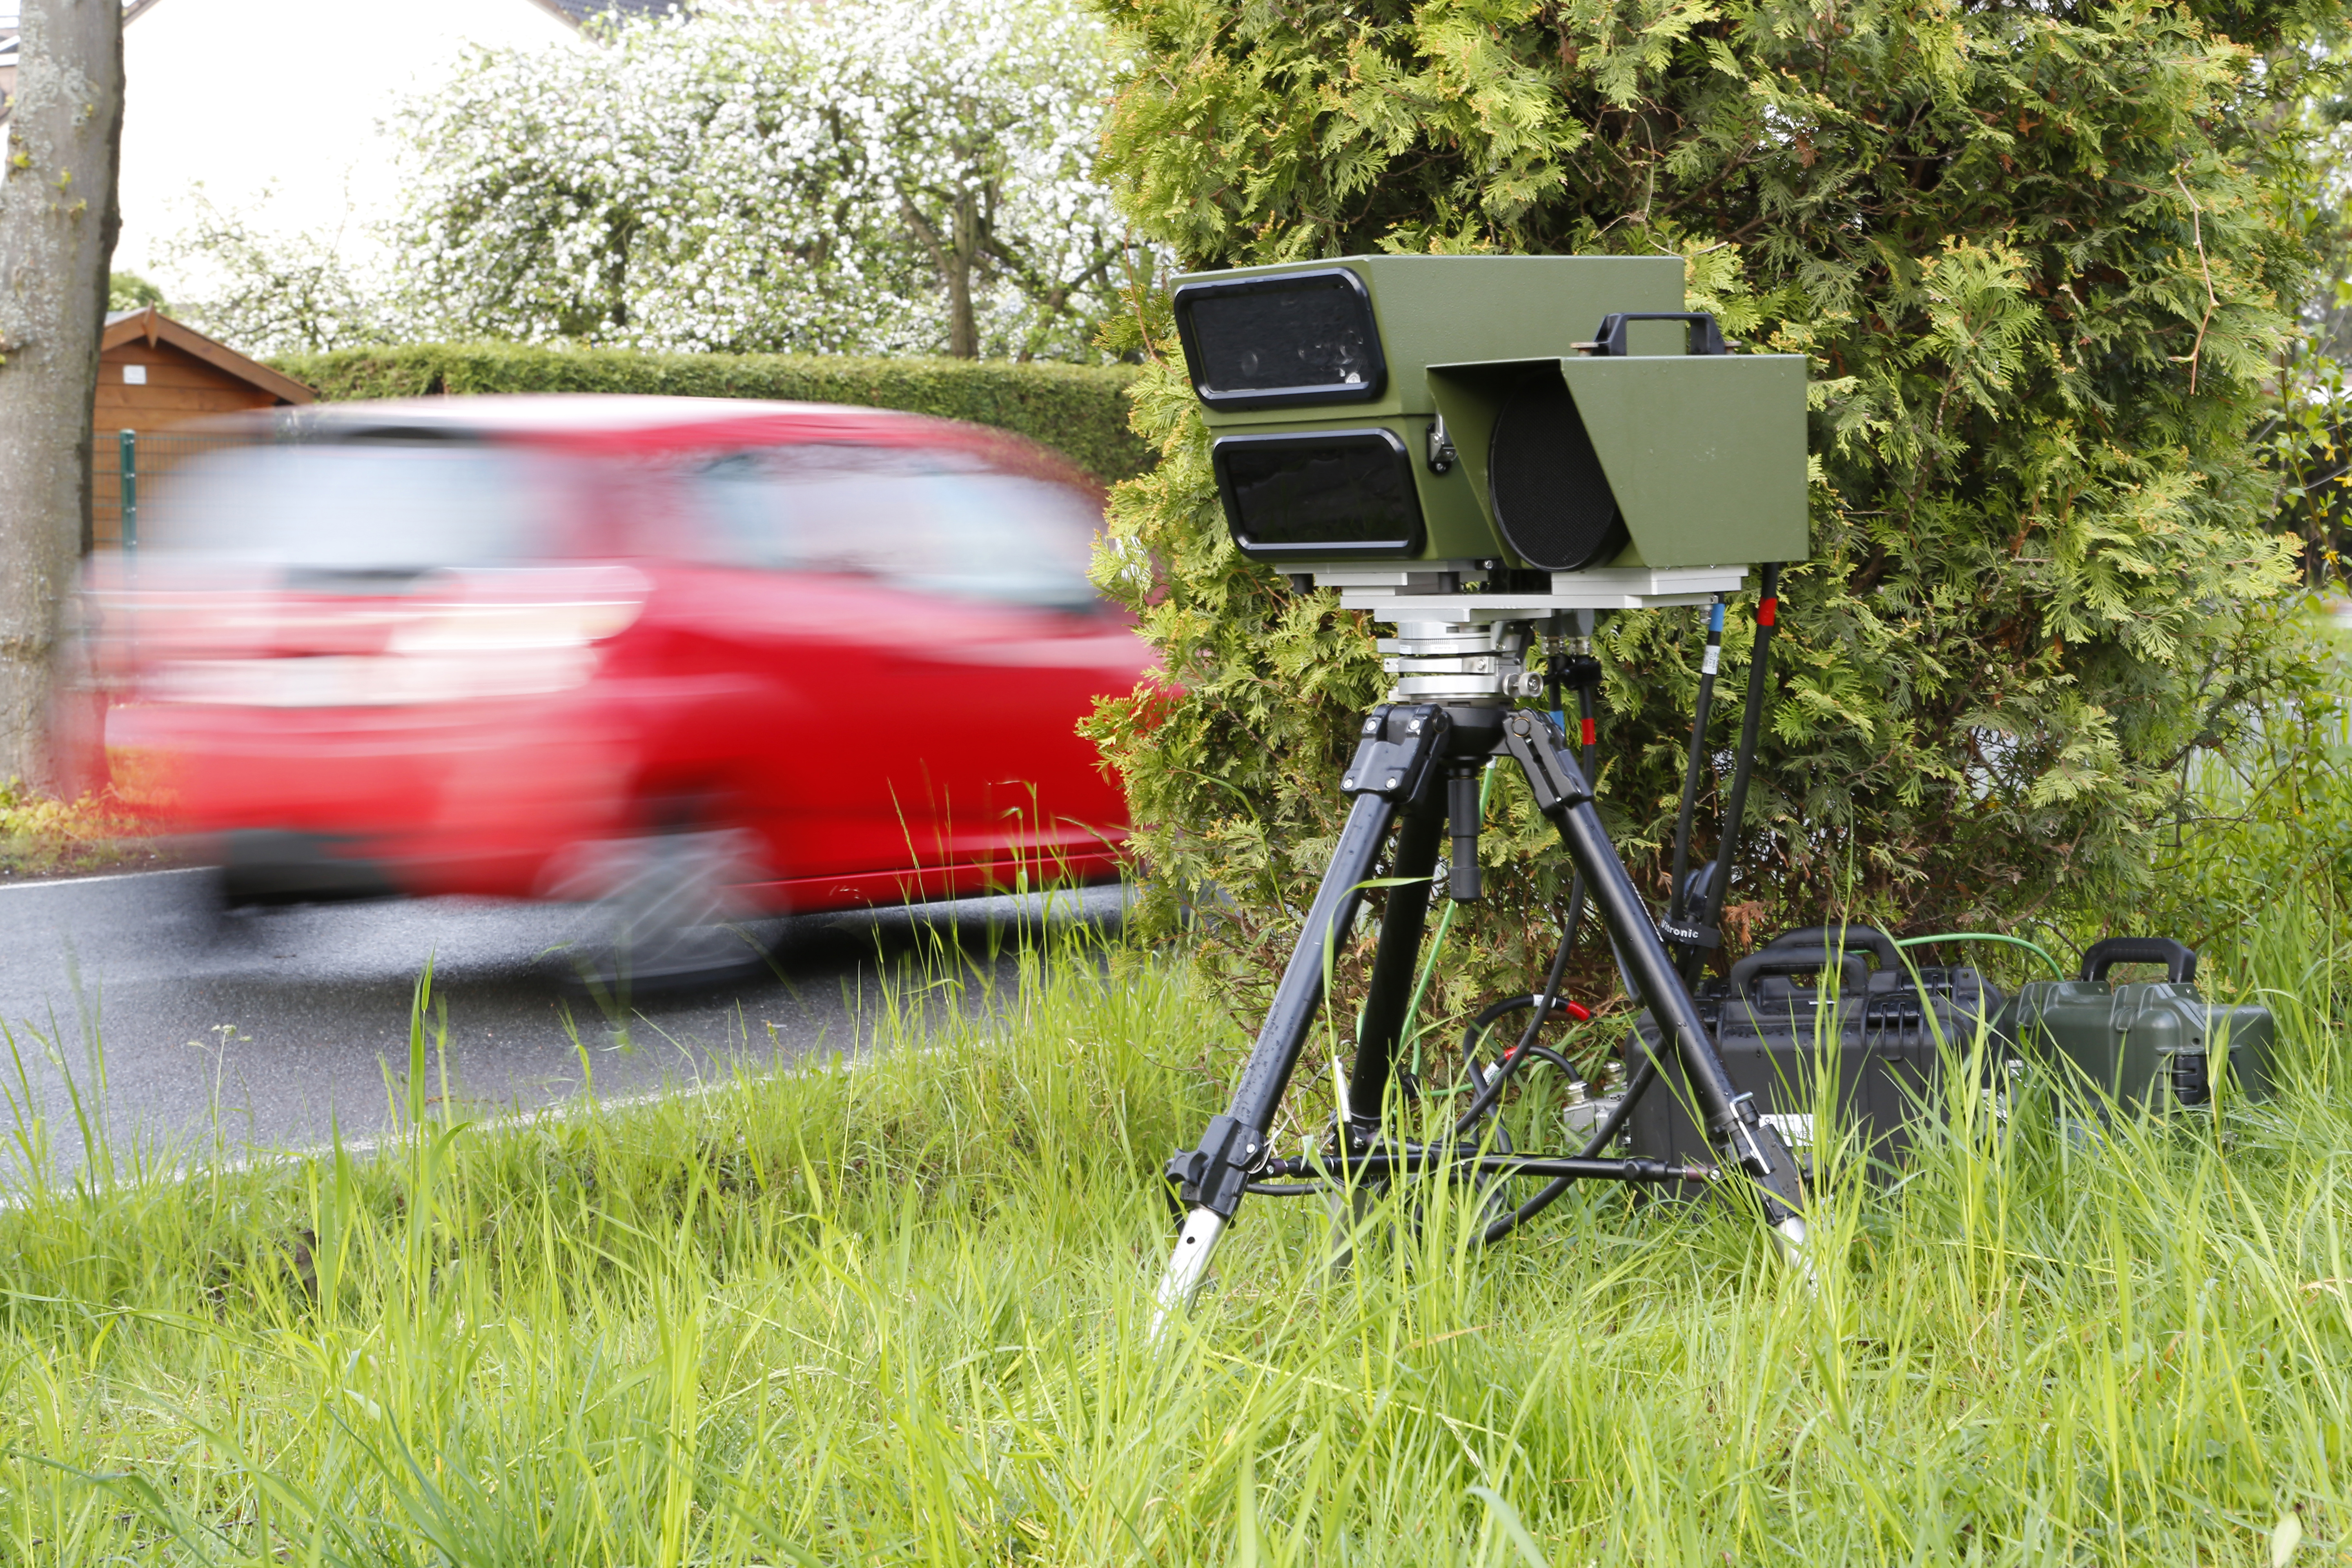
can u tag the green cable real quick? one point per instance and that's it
(1445, 920)
(2039, 951)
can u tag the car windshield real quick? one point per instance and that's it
(933, 521)
(366, 508)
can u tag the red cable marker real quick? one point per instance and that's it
(1576, 1012)
(1589, 733)
(1765, 610)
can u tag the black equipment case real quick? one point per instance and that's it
(1809, 996)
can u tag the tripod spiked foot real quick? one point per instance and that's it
(1186, 1266)
(1796, 1250)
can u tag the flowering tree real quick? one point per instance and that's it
(876, 175)
(275, 291)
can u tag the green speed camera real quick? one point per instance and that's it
(1469, 409)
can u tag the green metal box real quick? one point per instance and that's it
(1706, 456)
(2152, 1043)
(1410, 362)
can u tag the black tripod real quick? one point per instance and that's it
(1416, 771)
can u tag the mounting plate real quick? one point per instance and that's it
(1408, 595)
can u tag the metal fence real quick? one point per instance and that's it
(126, 465)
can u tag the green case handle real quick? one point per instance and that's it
(1701, 335)
(2178, 959)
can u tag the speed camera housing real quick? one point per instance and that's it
(1554, 413)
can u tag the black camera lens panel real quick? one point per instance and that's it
(1325, 495)
(1297, 337)
(1552, 498)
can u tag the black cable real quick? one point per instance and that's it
(1488, 1087)
(1735, 810)
(1601, 1137)
(1589, 742)
(1546, 1054)
(1521, 1053)
(1700, 711)
(1544, 1003)
(1491, 1012)
(1587, 739)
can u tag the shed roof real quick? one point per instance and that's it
(155, 327)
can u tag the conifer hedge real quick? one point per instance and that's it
(1079, 410)
(2033, 255)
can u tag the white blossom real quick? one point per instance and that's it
(834, 177)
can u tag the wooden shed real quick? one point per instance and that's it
(155, 373)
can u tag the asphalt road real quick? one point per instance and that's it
(166, 1018)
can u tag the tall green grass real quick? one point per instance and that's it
(894, 1311)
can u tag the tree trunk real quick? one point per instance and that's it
(963, 327)
(57, 224)
(954, 256)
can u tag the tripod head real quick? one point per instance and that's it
(1475, 643)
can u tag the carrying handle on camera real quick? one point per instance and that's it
(1702, 336)
(1852, 974)
(1848, 937)
(2178, 959)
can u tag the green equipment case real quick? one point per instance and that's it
(2148, 1043)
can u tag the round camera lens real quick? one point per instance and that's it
(1552, 498)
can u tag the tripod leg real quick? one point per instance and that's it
(1392, 764)
(1380, 1030)
(1732, 1124)
(1394, 963)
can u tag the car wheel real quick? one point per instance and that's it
(661, 910)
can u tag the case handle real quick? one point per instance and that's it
(1849, 937)
(2178, 959)
(1702, 335)
(1852, 974)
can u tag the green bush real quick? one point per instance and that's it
(2036, 257)
(1078, 410)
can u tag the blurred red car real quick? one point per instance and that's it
(691, 656)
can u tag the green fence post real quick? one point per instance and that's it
(129, 467)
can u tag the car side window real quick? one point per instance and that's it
(931, 521)
(382, 508)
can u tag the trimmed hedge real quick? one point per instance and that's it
(1078, 410)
